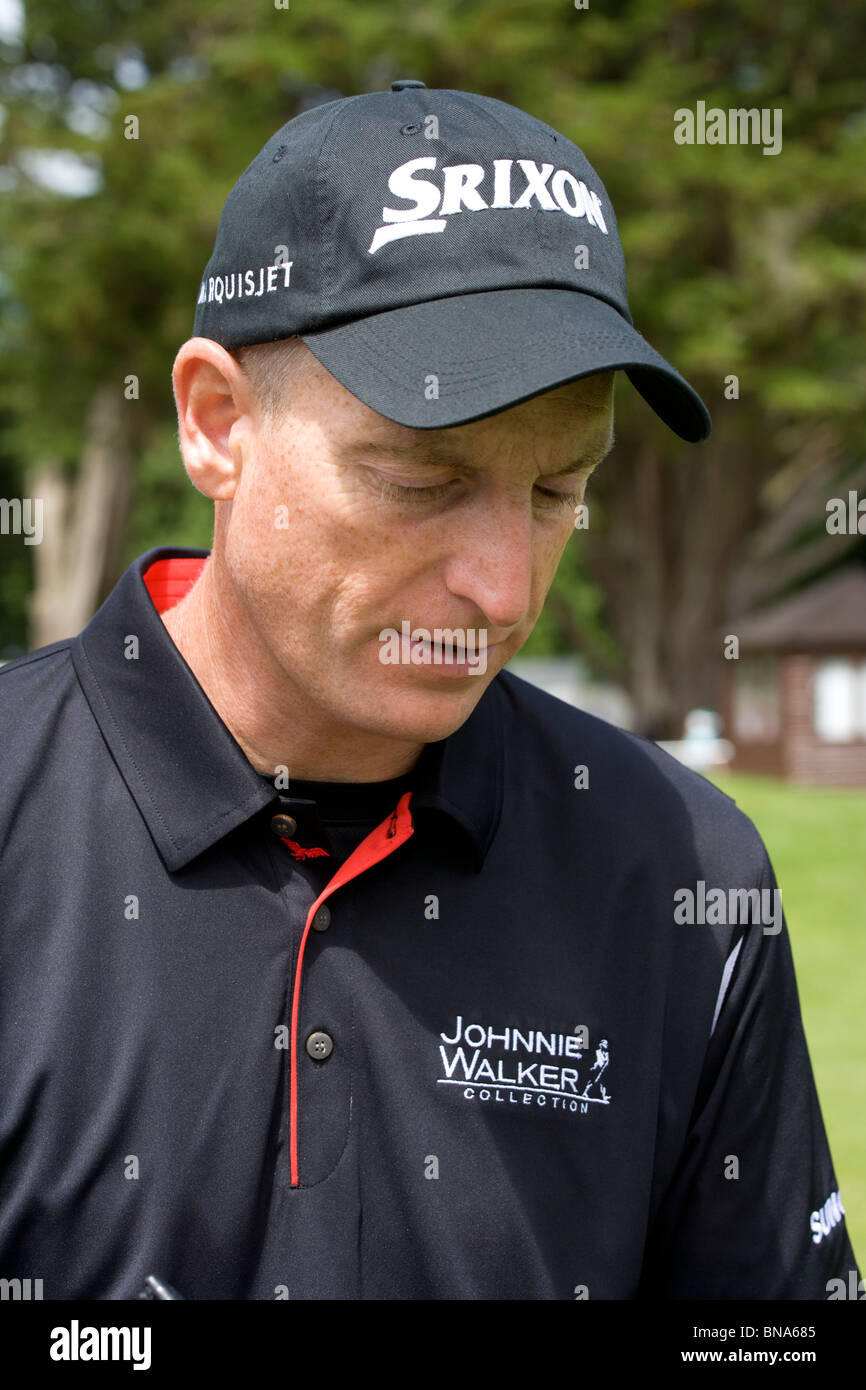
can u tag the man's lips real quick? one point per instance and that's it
(454, 646)
(444, 650)
(456, 651)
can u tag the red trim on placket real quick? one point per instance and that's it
(381, 842)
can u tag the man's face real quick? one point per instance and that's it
(345, 525)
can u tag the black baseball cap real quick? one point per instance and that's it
(443, 254)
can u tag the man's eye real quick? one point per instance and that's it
(560, 499)
(396, 492)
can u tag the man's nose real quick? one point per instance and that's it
(490, 560)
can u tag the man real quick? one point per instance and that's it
(357, 967)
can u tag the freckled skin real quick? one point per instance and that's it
(282, 629)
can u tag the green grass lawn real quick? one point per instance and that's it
(816, 839)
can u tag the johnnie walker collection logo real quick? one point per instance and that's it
(512, 1066)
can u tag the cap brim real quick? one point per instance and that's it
(448, 361)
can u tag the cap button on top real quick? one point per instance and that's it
(403, 82)
(283, 825)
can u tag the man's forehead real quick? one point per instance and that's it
(585, 404)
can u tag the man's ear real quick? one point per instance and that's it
(217, 416)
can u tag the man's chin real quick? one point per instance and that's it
(427, 711)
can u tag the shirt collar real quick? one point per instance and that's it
(191, 780)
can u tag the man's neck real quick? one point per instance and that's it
(245, 686)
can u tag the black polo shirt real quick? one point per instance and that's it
(466, 1050)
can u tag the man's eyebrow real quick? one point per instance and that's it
(595, 453)
(440, 453)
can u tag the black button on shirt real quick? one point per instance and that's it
(537, 1076)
